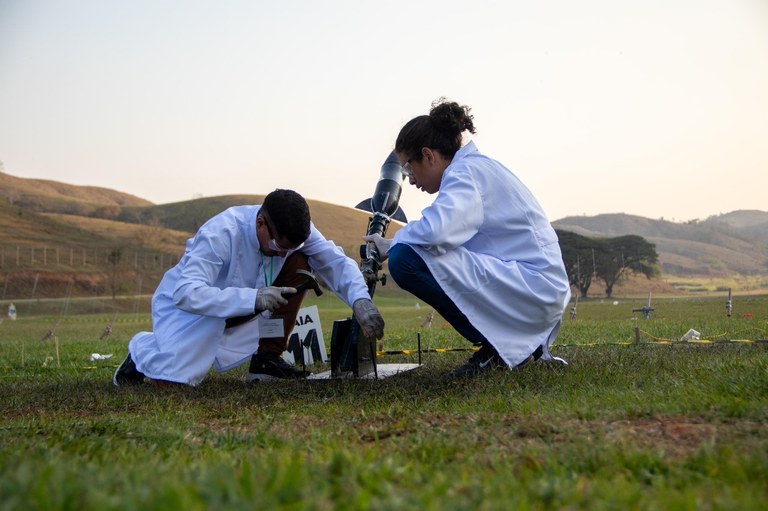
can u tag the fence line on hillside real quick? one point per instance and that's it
(26, 257)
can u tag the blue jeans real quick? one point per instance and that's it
(412, 274)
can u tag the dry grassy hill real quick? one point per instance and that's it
(54, 197)
(105, 241)
(345, 226)
(53, 232)
(731, 244)
(124, 234)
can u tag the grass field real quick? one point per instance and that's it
(653, 424)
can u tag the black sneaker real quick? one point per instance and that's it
(271, 367)
(127, 374)
(485, 359)
(533, 357)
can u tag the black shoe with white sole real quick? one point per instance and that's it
(127, 374)
(538, 352)
(271, 367)
(487, 359)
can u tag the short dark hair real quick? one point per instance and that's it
(440, 130)
(289, 213)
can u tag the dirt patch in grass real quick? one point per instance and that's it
(677, 436)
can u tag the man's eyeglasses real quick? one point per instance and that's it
(272, 244)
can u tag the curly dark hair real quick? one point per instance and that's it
(440, 130)
(289, 213)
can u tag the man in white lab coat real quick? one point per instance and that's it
(483, 253)
(233, 296)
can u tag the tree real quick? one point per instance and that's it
(579, 253)
(624, 255)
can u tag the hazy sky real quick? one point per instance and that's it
(649, 107)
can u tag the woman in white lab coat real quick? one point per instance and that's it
(483, 253)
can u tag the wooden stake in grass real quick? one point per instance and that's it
(108, 329)
(56, 343)
(51, 333)
(32, 297)
(573, 309)
(138, 295)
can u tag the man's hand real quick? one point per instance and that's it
(382, 244)
(369, 318)
(271, 298)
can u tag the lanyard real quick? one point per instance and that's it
(271, 268)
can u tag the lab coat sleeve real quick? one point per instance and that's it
(341, 273)
(195, 290)
(451, 220)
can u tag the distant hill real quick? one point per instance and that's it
(46, 196)
(345, 226)
(750, 223)
(51, 231)
(743, 219)
(21, 226)
(728, 244)
(53, 202)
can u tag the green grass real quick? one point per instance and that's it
(625, 426)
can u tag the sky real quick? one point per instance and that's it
(656, 108)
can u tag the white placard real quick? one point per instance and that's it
(306, 340)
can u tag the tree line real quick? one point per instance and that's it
(608, 260)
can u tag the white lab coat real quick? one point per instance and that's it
(217, 278)
(491, 248)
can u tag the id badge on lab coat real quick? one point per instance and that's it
(270, 328)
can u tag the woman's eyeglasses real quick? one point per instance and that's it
(406, 169)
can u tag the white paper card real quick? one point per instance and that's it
(271, 328)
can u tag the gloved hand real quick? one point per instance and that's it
(369, 318)
(271, 298)
(382, 244)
